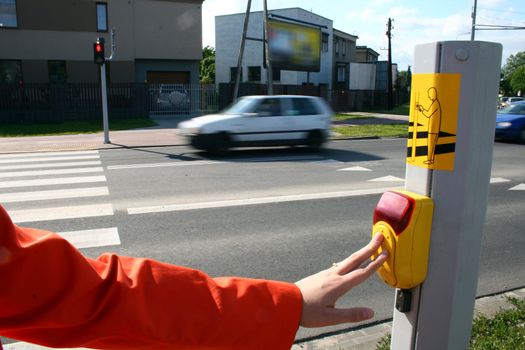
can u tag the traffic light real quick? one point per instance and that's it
(98, 51)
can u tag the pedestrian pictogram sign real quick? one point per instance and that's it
(434, 102)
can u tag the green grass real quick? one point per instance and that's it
(71, 127)
(341, 117)
(503, 331)
(379, 130)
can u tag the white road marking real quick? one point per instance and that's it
(53, 181)
(92, 238)
(211, 162)
(51, 172)
(53, 194)
(354, 168)
(496, 180)
(59, 213)
(160, 165)
(388, 178)
(50, 165)
(520, 187)
(253, 201)
(48, 159)
(45, 154)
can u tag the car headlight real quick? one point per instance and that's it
(504, 124)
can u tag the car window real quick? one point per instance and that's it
(304, 106)
(513, 109)
(242, 105)
(269, 107)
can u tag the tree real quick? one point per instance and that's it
(403, 80)
(514, 62)
(207, 65)
(517, 81)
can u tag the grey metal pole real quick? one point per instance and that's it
(241, 50)
(442, 306)
(104, 96)
(473, 29)
(269, 77)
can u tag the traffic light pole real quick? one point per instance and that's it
(104, 96)
(461, 78)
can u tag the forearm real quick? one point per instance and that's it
(54, 296)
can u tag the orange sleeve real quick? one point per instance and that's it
(50, 294)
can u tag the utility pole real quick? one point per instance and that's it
(473, 30)
(389, 70)
(267, 51)
(241, 51)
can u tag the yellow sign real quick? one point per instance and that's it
(434, 102)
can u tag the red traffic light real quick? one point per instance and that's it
(98, 52)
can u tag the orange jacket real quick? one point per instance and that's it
(50, 294)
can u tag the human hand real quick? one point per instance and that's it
(322, 290)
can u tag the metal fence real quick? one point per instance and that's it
(64, 102)
(182, 99)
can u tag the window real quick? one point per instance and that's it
(304, 106)
(276, 75)
(254, 73)
(325, 42)
(233, 74)
(10, 72)
(269, 107)
(57, 72)
(337, 46)
(344, 47)
(102, 16)
(341, 73)
(8, 14)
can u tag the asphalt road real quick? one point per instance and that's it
(277, 214)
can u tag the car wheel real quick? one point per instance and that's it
(221, 143)
(314, 141)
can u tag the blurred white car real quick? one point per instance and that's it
(262, 121)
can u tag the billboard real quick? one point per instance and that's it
(294, 47)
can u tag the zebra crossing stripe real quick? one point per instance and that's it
(46, 154)
(48, 159)
(52, 181)
(60, 213)
(92, 238)
(53, 194)
(50, 165)
(51, 172)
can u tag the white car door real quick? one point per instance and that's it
(268, 122)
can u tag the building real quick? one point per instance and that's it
(228, 33)
(365, 54)
(344, 53)
(343, 64)
(51, 41)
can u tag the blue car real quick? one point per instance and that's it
(510, 122)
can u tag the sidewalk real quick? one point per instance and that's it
(165, 134)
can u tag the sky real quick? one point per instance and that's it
(414, 21)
